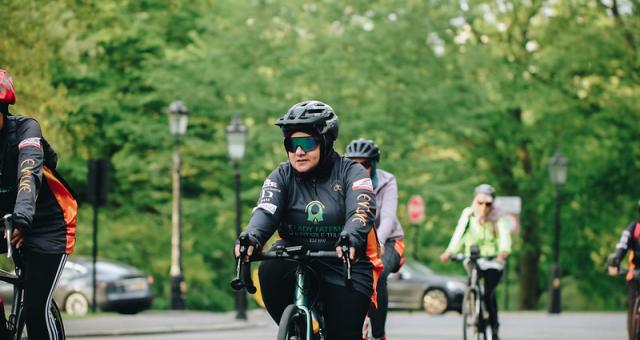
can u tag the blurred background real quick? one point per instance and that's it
(456, 93)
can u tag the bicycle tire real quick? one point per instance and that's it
(471, 316)
(635, 319)
(293, 324)
(54, 314)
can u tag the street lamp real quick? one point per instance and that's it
(558, 172)
(236, 141)
(178, 117)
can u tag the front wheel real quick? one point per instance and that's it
(293, 324)
(54, 316)
(471, 316)
(635, 320)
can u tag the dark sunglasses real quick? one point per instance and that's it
(488, 204)
(307, 143)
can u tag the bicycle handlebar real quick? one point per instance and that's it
(462, 257)
(298, 253)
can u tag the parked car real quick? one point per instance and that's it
(120, 287)
(416, 286)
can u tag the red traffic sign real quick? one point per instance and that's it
(416, 209)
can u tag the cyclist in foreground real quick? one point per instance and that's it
(480, 225)
(628, 241)
(311, 200)
(42, 207)
(389, 230)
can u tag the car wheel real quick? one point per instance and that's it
(435, 301)
(76, 304)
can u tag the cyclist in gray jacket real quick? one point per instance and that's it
(388, 228)
(312, 200)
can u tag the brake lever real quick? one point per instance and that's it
(237, 283)
(243, 270)
(8, 229)
(346, 259)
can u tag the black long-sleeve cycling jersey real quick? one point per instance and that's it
(41, 203)
(314, 210)
(629, 241)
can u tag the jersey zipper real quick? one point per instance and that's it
(315, 189)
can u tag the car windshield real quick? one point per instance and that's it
(418, 267)
(107, 268)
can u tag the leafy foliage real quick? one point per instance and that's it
(456, 93)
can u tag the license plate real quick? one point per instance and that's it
(137, 285)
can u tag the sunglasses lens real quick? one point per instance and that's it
(306, 143)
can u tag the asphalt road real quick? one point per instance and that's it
(402, 325)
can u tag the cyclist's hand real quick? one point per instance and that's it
(502, 256)
(444, 257)
(613, 271)
(17, 239)
(251, 244)
(352, 252)
(250, 250)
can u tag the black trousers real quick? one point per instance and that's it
(632, 293)
(41, 272)
(491, 279)
(343, 310)
(378, 316)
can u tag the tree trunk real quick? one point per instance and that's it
(529, 261)
(528, 271)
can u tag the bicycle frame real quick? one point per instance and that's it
(18, 292)
(301, 300)
(301, 255)
(480, 313)
(14, 279)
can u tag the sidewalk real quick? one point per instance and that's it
(158, 322)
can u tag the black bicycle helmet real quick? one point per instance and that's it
(485, 189)
(312, 114)
(363, 148)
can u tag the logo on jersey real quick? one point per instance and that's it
(266, 194)
(363, 210)
(269, 184)
(33, 141)
(26, 172)
(315, 211)
(270, 208)
(363, 184)
(337, 187)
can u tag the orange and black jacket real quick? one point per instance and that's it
(629, 242)
(313, 209)
(42, 204)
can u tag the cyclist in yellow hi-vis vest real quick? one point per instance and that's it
(481, 225)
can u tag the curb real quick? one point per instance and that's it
(162, 330)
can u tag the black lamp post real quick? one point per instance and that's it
(236, 141)
(558, 171)
(178, 117)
